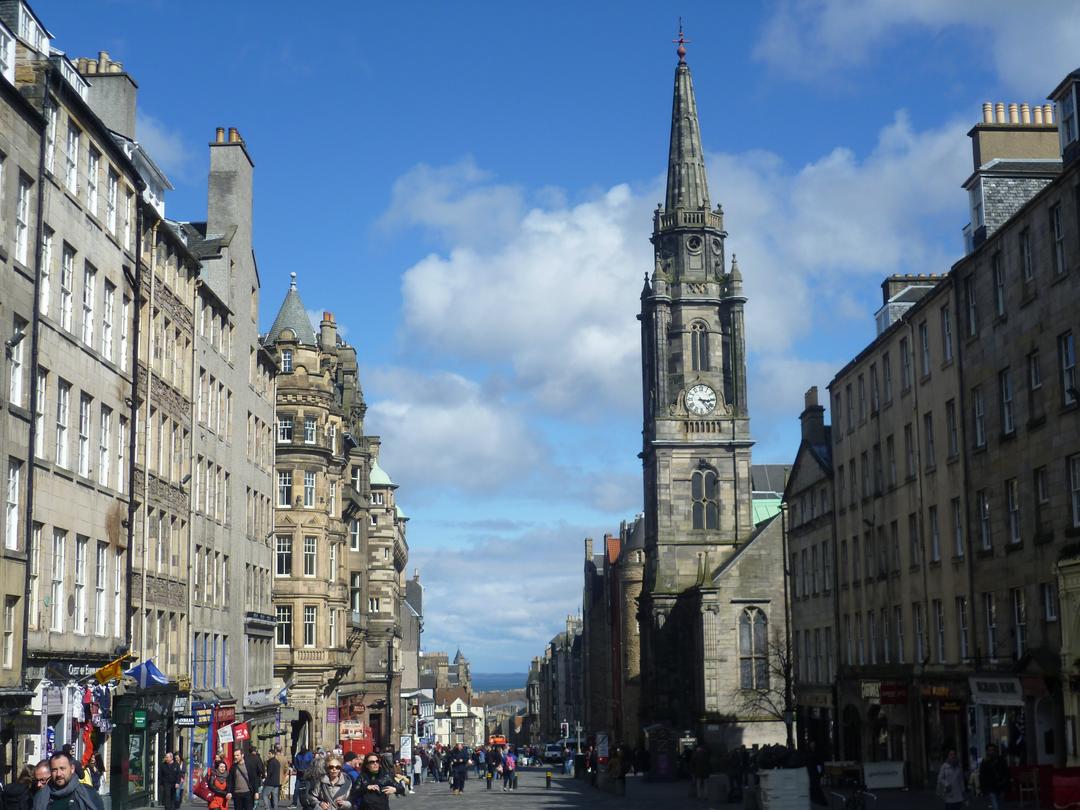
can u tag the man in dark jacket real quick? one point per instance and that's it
(64, 791)
(350, 766)
(458, 764)
(301, 763)
(168, 779)
(994, 776)
(256, 770)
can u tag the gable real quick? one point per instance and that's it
(807, 470)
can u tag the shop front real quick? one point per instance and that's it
(143, 732)
(1021, 714)
(877, 723)
(816, 713)
(943, 709)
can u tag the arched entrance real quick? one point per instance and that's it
(852, 734)
(302, 730)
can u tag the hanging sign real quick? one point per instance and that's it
(240, 732)
(225, 734)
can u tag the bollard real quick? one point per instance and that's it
(489, 778)
(548, 777)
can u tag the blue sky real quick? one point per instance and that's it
(468, 187)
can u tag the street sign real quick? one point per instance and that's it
(138, 718)
(185, 720)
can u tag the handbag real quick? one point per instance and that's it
(202, 790)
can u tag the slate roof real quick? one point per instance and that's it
(293, 316)
(769, 478)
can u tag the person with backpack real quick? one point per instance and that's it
(509, 768)
(301, 763)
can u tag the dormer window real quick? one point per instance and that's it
(286, 360)
(1067, 130)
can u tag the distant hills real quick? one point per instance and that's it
(498, 681)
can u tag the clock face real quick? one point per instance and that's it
(700, 400)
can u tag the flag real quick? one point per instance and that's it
(146, 674)
(240, 732)
(111, 671)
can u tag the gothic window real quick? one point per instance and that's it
(699, 347)
(753, 649)
(706, 502)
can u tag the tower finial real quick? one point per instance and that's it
(292, 280)
(682, 42)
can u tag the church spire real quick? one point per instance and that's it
(687, 185)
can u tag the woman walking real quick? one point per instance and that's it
(372, 791)
(218, 782)
(331, 792)
(951, 782)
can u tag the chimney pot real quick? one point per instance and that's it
(1048, 113)
(219, 135)
(103, 61)
(1014, 113)
(999, 112)
(1025, 113)
(1038, 115)
(811, 399)
(234, 136)
(988, 112)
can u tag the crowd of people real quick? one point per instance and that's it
(60, 782)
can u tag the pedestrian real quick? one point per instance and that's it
(42, 775)
(494, 762)
(168, 779)
(240, 783)
(97, 774)
(218, 782)
(994, 777)
(699, 765)
(63, 790)
(19, 795)
(509, 766)
(372, 791)
(458, 762)
(950, 782)
(332, 791)
(568, 760)
(273, 768)
(182, 771)
(301, 763)
(349, 766)
(417, 767)
(480, 758)
(256, 770)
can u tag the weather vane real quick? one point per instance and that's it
(682, 42)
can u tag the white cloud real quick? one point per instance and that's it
(165, 146)
(1032, 44)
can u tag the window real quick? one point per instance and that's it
(843, 562)
(309, 556)
(284, 488)
(332, 499)
(15, 362)
(982, 506)
(93, 161)
(894, 544)
(924, 349)
(998, 268)
(898, 617)
(286, 360)
(753, 649)
(309, 430)
(283, 556)
(63, 405)
(951, 429)
(705, 499)
(1067, 365)
(928, 429)
(373, 604)
(121, 446)
(905, 365)
(875, 392)
(871, 631)
(971, 306)
(850, 409)
(45, 282)
(939, 630)
(990, 618)
(310, 613)
(71, 159)
(946, 334)
(865, 468)
(107, 321)
(11, 509)
(826, 564)
(1012, 506)
(1057, 239)
(890, 459)
(909, 451)
(914, 540)
(1008, 424)
(283, 631)
(1074, 488)
(22, 222)
(855, 561)
(309, 489)
(886, 653)
(333, 627)
(356, 580)
(1019, 610)
(920, 632)
(39, 413)
(862, 399)
(354, 535)
(119, 577)
(1049, 601)
(104, 446)
(962, 627)
(978, 408)
(67, 281)
(10, 603)
(50, 136)
(850, 645)
(285, 429)
(111, 190)
(699, 347)
(1027, 269)
(56, 594)
(84, 435)
(958, 528)
(101, 572)
(935, 534)
(886, 377)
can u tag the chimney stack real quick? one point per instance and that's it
(112, 93)
(328, 332)
(813, 419)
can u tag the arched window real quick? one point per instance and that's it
(753, 649)
(706, 502)
(699, 347)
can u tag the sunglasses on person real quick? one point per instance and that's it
(333, 767)
(372, 762)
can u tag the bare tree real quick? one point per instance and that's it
(772, 687)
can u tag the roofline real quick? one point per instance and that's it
(809, 448)
(759, 531)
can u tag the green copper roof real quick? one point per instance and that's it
(294, 317)
(379, 478)
(401, 513)
(765, 508)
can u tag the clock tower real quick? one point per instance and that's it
(696, 427)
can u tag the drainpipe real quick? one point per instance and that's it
(147, 428)
(133, 419)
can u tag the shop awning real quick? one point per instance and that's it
(996, 690)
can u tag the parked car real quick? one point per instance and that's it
(553, 752)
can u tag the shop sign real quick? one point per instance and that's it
(138, 718)
(180, 705)
(241, 732)
(185, 721)
(24, 723)
(351, 730)
(937, 691)
(952, 706)
(812, 698)
(203, 715)
(996, 690)
(879, 775)
(331, 715)
(224, 715)
(870, 690)
(894, 694)
(225, 735)
(65, 671)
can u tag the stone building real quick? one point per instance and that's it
(712, 608)
(437, 665)
(231, 661)
(562, 705)
(811, 548)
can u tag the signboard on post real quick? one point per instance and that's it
(185, 721)
(405, 748)
(138, 718)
